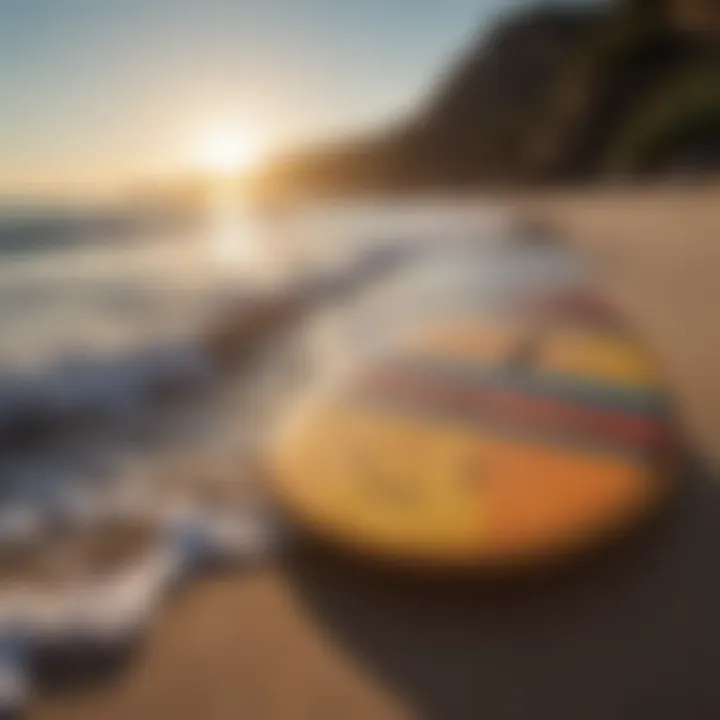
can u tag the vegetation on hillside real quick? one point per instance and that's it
(553, 94)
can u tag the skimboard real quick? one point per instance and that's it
(484, 440)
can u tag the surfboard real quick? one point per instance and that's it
(484, 440)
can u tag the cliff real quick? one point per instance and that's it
(553, 94)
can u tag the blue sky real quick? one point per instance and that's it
(98, 91)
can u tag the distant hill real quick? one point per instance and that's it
(557, 93)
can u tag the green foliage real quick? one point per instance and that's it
(686, 104)
(566, 131)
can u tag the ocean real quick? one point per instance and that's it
(144, 366)
(103, 365)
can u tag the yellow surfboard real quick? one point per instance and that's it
(482, 441)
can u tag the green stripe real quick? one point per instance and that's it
(572, 442)
(647, 402)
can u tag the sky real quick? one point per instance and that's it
(96, 93)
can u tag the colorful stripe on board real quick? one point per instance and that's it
(514, 410)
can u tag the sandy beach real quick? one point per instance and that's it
(658, 256)
(312, 639)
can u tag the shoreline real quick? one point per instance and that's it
(299, 640)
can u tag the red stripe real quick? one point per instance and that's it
(510, 406)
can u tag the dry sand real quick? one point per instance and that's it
(307, 642)
(659, 256)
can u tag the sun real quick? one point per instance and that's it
(227, 151)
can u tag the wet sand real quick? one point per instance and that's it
(635, 634)
(630, 634)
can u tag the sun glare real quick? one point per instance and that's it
(226, 152)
